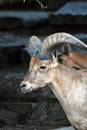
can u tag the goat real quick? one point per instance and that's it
(73, 59)
(68, 85)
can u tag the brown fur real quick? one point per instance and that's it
(80, 59)
(73, 59)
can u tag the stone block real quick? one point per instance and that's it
(72, 13)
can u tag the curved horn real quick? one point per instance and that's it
(34, 45)
(57, 39)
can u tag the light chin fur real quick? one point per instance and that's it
(27, 88)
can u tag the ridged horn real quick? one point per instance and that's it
(57, 39)
(34, 45)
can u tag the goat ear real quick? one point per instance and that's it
(54, 58)
(67, 49)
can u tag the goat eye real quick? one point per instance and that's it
(42, 67)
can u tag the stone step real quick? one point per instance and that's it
(22, 19)
(72, 13)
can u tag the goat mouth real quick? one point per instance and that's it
(25, 90)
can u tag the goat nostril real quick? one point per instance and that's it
(23, 85)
